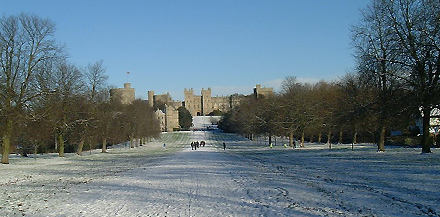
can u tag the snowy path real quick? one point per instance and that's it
(190, 183)
(246, 180)
(206, 182)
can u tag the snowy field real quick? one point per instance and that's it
(248, 179)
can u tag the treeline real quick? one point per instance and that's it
(397, 48)
(48, 104)
(333, 112)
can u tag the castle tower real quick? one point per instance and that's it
(151, 98)
(192, 103)
(124, 95)
(206, 101)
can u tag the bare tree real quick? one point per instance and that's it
(376, 49)
(295, 109)
(398, 41)
(97, 96)
(416, 25)
(68, 84)
(26, 43)
(96, 80)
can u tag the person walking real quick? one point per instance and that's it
(224, 146)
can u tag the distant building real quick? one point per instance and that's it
(171, 118)
(198, 105)
(161, 117)
(262, 91)
(168, 115)
(434, 122)
(124, 95)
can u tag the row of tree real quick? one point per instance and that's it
(332, 111)
(46, 103)
(397, 48)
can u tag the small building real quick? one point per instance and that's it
(434, 122)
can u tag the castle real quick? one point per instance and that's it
(198, 105)
(166, 110)
(124, 95)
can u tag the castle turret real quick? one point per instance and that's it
(151, 98)
(206, 101)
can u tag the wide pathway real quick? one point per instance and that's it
(206, 182)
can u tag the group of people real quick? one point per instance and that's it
(195, 145)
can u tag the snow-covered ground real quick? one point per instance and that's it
(248, 179)
(205, 122)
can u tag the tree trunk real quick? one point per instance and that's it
(56, 142)
(426, 146)
(61, 145)
(329, 139)
(7, 134)
(319, 137)
(80, 147)
(131, 142)
(340, 136)
(104, 145)
(270, 139)
(35, 149)
(355, 137)
(90, 146)
(381, 143)
(291, 139)
(302, 140)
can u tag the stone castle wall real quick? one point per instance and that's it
(204, 104)
(192, 102)
(124, 95)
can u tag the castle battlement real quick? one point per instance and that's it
(188, 91)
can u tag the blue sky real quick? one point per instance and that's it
(228, 45)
